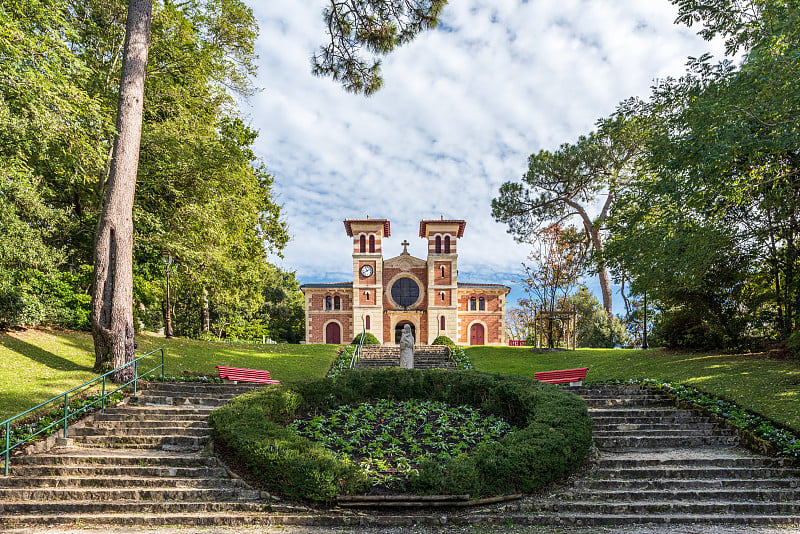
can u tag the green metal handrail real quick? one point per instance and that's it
(64, 420)
(357, 351)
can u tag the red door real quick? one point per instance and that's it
(333, 334)
(476, 334)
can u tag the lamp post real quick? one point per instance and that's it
(644, 335)
(166, 257)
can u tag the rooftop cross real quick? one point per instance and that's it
(405, 244)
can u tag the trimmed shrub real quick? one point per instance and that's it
(553, 436)
(444, 340)
(369, 339)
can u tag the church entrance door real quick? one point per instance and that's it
(333, 334)
(476, 334)
(398, 331)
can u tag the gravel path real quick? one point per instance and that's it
(660, 529)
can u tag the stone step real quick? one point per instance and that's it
(627, 402)
(125, 430)
(688, 484)
(219, 517)
(644, 508)
(161, 424)
(122, 494)
(684, 463)
(687, 473)
(82, 508)
(640, 427)
(167, 443)
(660, 413)
(159, 411)
(628, 519)
(120, 481)
(105, 458)
(635, 443)
(211, 389)
(116, 471)
(664, 433)
(672, 495)
(155, 400)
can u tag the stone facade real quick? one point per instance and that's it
(387, 294)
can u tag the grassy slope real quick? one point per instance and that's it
(768, 386)
(36, 365)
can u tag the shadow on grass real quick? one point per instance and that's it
(42, 356)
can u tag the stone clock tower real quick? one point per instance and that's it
(442, 236)
(368, 237)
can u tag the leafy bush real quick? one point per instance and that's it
(31, 297)
(690, 328)
(369, 339)
(793, 342)
(594, 328)
(444, 340)
(553, 438)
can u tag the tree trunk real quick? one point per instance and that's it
(597, 244)
(112, 292)
(205, 313)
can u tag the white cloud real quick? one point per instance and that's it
(461, 110)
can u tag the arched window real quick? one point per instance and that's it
(447, 244)
(438, 244)
(362, 244)
(372, 243)
(367, 323)
(472, 303)
(481, 304)
(366, 295)
(441, 294)
(443, 271)
(441, 323)
(328, 302)
(337, 303)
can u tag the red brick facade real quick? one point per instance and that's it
(386, 294)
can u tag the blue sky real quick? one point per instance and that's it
(461, 110)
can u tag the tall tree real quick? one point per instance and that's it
(569, 183)
(379, 26)
(112, 294)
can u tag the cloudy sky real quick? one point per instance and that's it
(461, 110)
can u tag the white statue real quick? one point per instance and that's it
(407, 348)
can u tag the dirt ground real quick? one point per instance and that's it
(660, 529)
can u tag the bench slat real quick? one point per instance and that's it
(571, 376)
(236, 374)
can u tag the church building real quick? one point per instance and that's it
(387, 294)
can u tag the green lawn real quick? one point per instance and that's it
(768, 386)
(36, 365)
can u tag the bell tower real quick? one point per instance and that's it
(442, 236)
(368, 235)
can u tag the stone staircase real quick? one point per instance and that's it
(660, 464)
(425, 357)
(144, 462)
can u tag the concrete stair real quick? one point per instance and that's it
(425, 357)
(663, 465)
(142, 463)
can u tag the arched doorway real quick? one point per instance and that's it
(476, 334)
(333, 334)
(398, 331)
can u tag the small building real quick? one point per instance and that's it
(387, 294)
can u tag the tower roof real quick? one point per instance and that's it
(423, 226)
(387, 229)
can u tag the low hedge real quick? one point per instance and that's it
(444, 340)
(552, 438)
(369, 339)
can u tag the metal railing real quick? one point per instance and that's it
(357, 351)
(6, 453)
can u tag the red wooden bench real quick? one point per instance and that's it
(235, 374)
(574, 377)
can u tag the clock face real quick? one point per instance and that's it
(366, 271)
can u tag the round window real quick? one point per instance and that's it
(405, 292)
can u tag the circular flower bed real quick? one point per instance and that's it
(552, 436)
